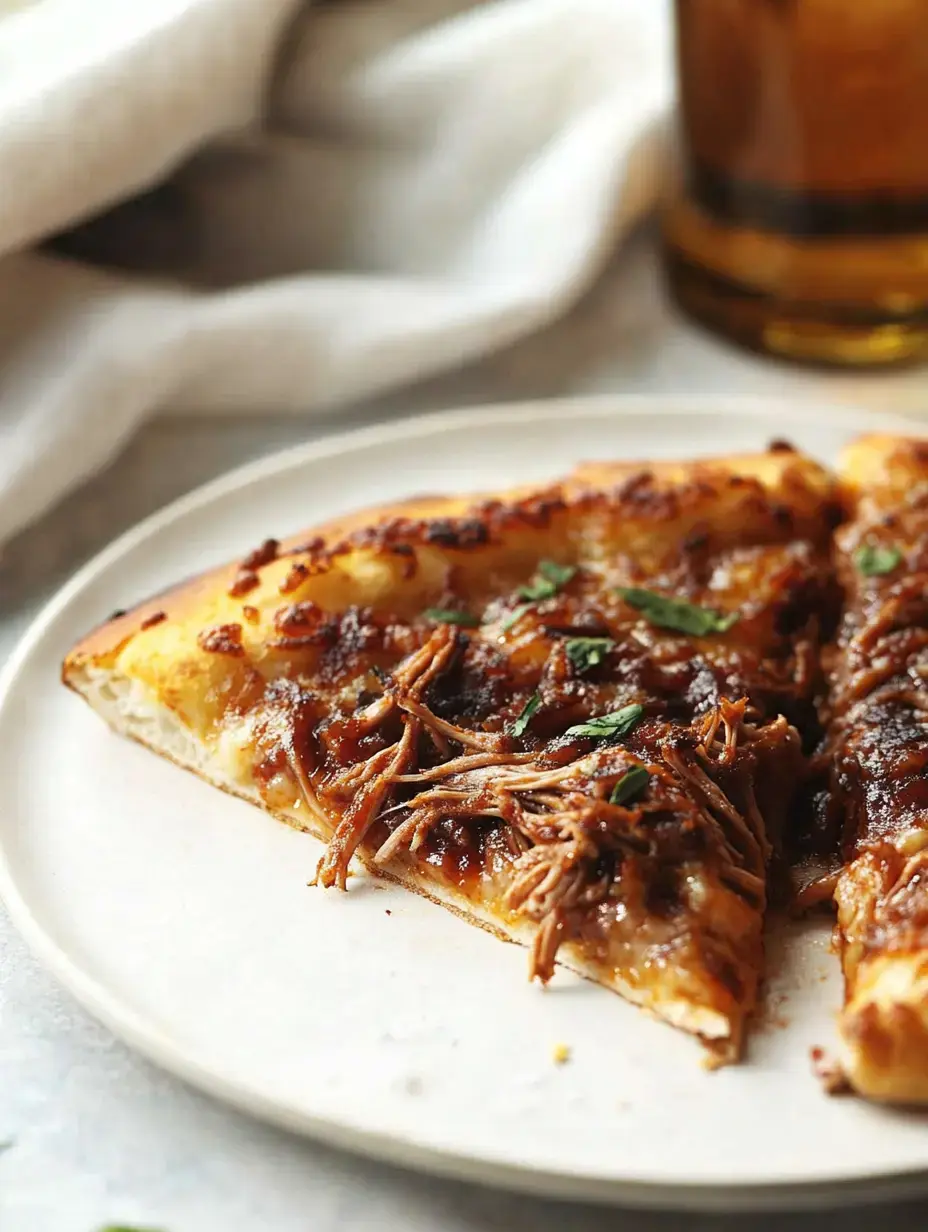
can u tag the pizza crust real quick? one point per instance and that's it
(883, 1029)
(653, 516)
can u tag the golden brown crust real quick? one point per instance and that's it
(878, 470)
(187, 597)
(884, 1031)
(757, 487)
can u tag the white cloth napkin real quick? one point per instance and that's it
(274, 206)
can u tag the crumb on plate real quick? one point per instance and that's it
(828, 1072)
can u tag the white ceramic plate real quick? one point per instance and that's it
(377, 1021)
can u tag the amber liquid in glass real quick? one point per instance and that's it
(799, 222)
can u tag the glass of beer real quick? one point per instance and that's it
(799, 218)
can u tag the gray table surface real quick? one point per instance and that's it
(91, 1134)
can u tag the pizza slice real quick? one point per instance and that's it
(878, 745)
(570, 715)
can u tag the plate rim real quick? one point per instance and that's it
(399, 1150)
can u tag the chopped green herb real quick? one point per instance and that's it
(448, 616)
(552, 577)
(587, 652)
(875, 559)
(520, 725)
(630, 786)
(618, 723)
(557, 575)
(676, 614)
(538, 590)
(515, 616)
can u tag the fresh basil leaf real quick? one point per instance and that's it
(520, 725)
(676, 614)
(557, 575)
(587, 652)
(606, 726)
(876, 559)
(630, 785)
(447, 616)
(515, 616)
(538, 590)
(552, 577)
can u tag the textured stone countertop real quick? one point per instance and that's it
(90, 1134)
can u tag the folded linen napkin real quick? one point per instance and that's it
(241, 206)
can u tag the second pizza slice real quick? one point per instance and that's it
(574, 715)
(878, 754)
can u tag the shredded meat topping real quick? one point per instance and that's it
(406, 779)
(460, 737)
